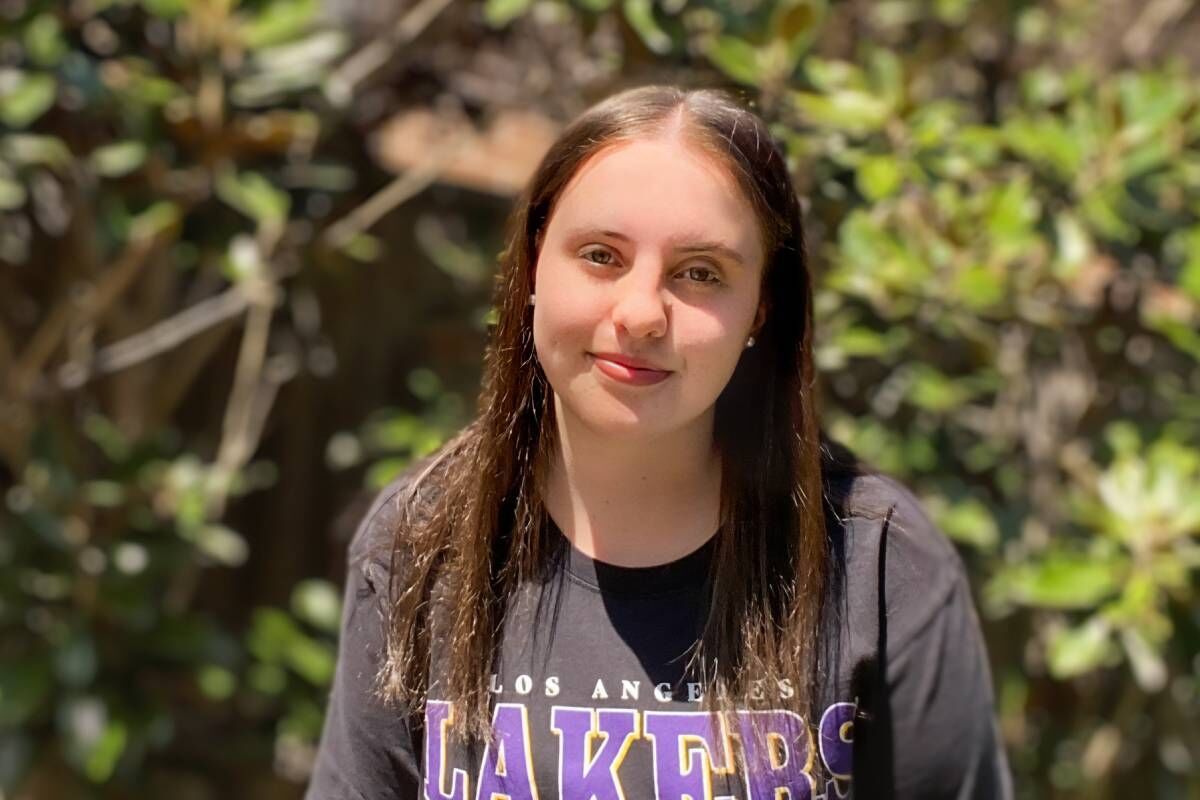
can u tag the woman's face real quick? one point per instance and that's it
(647, 286)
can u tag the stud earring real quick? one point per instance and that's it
(531, 296)
(750, 342)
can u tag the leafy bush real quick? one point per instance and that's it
(1003, 208)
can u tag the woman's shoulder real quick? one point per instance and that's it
(386, 516)
(894, 556)
(900, 516)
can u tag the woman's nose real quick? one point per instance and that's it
(639, 307)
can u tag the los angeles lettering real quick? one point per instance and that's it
(524, 685)
(688, 750)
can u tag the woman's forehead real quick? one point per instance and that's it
(654, 189)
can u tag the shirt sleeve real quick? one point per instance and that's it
(945, 741)
(933, 732)
(366, 748)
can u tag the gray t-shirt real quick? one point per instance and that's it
(592, 701)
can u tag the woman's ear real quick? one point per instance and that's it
(534, 256)
(760, 317)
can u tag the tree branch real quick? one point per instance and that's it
(357, 68)
(157, 339)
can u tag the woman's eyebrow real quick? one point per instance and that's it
(687, 243)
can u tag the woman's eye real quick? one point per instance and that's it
(702, 275)
(604, 253)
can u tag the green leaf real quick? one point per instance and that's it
(853, 111)
(424, 383)
(143, 88)
(795, 25)
(640, 16)
(1102, 208)
(736, 57)
(317, 603)
(155, 220)
(1150, 498)
(312, 660)
(860, 341)
(103, 494)
(92, 738)
(1150, 101)
(216, 682)
(1185, 246)
(12, 195)
(254, 196)
(1046, 140)
(1123, 437)
(222, 544)
(876, 266)
(119, 158)
(272, 633)
(165, 9)
(980, 287)
(832, 75)
(278, 22)
(106, 751)
(935, 391)
(967, 521)
(498, 13)
(31, 96)
(1012, 209)
(107, 435)
(383, 471)
(940, 123)
(887, 75)
(1043, 86)
(1075, 651)
(276, 640)
(44, 40)
(953, 12)
(1179, 333)
(267, 679)
(1145, 158)
(879, 176)
(395, 433)
(793, 19)
(1063, 581)
(363, 247)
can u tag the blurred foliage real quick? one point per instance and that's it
(390, 439)
(1003, 207)
(161, 171)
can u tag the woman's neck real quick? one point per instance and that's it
(634, 502)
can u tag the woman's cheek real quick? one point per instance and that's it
(561, 336)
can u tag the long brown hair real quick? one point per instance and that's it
(474, 527)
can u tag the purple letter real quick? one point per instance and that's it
(507, 769)
(778, 756)
(585, 774)
(438, 715)
(837, 739)
(685, 748)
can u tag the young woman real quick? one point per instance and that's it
(641, 571)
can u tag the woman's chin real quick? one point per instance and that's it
(622, 423)
(624, 419)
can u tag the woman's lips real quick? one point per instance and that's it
(630, 375)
